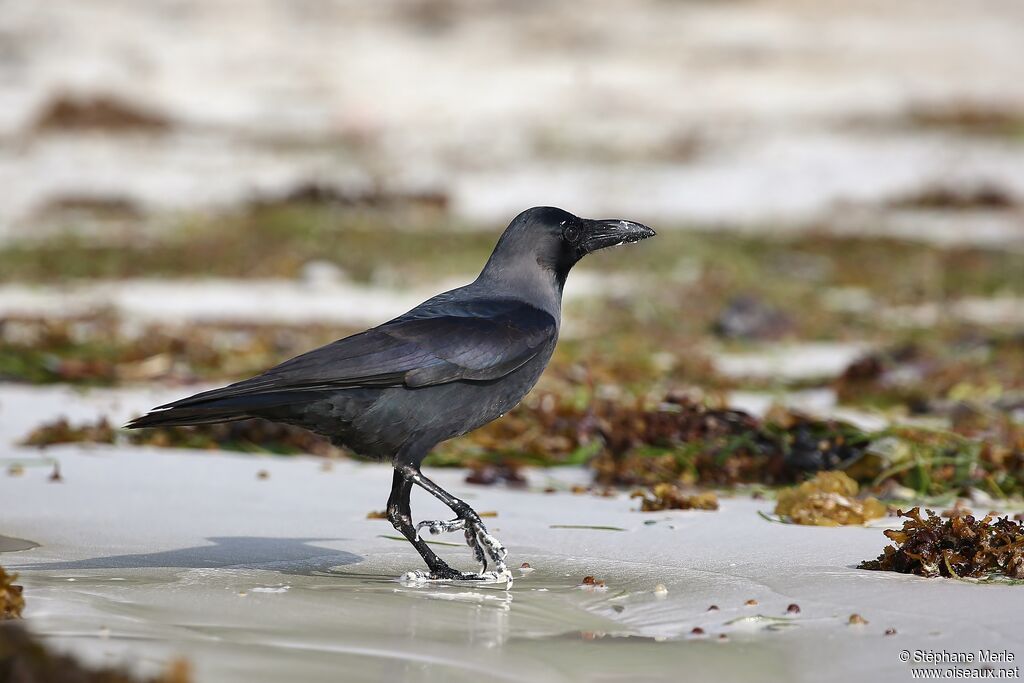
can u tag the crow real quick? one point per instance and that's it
(452, 364)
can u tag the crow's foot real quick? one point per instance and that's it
(485, 546)
(441, 527)
(420, 577)
(480, 539)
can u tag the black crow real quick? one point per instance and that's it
(450, 365)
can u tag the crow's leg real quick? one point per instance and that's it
(400, 516)
(484, 545)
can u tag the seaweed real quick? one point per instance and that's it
(247, 436)
(101, 349)
(11, 600)
(670, 497)
(24, 657)
(829, 499)
(685, 441)
(961, 546)
(487, 474)
(939, 375)
(746, 317)
(101, 112)
(61, 431)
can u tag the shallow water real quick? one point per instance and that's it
(258, 624)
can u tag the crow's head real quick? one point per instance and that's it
(555, 239)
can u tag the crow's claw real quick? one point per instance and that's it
(489, 544)
(486, 548)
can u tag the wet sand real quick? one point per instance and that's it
(146, 555)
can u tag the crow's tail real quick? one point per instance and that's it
(199, 410)
(180, 417)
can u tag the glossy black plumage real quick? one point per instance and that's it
(448, 366)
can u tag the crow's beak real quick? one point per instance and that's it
(600, 234)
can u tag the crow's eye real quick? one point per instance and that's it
(571, 233)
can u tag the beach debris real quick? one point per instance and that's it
(747, 317)
(959, 509)
(666, 496)
(11, 600)
(488, 474)
(961, 546)
(829, 499)
(793, 609)
(61, 431)
(857, 620)
(103, 112)
(247, 436)
(958, 197)
(685, 441)
(30, 659)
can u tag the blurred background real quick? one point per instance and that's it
(195, 190)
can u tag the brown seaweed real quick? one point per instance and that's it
(11, 600)
(670, 497)
(961, 546)
(24, 657)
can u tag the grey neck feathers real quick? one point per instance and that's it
(522, 277)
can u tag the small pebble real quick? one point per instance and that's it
(722, 636)
(263, 474)
(713, 608)
(857, 620)
(660, 589)
(793, 609)
(750, 603)
(890, 631)
(697, 631)
(55, 475)
(591, 581)
(15, 470)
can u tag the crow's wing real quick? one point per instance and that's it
(429, 345)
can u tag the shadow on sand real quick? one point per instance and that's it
(286, 555)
